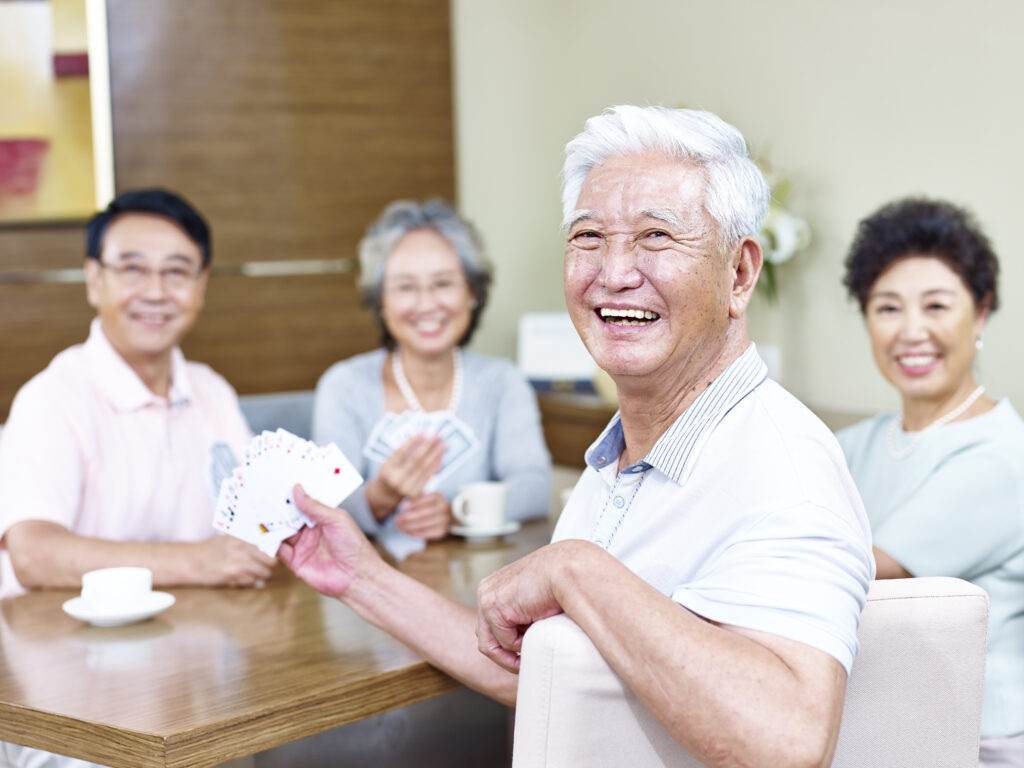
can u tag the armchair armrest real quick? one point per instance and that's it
(913, 698)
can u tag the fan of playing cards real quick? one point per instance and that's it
(392, 431)
(255, 503)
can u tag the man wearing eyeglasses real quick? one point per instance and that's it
(111, 456)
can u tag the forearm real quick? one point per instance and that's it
(47, 555)
(380, 500)
(440, 630)
(888, 567)
(521, 455)
(727, 699)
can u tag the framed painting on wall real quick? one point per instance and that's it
(56, 146)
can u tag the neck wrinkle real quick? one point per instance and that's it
(155, 374)
(647, 412)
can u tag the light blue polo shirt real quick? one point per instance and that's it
(955, 507)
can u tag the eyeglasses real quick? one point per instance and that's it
(411, 290)
(176, 278)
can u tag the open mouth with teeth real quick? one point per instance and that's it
(151, 318)
(918, 364)
(916, 361)
(627, 316)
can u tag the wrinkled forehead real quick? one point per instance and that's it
(630, 188)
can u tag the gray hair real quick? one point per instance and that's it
(400, 218)
(736, 194)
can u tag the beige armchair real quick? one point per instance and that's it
(913, 699)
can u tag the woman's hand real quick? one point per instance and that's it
(425, 517)
(405, 473)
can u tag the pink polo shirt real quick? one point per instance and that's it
(88, 446)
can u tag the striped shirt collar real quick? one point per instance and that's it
(681, 442)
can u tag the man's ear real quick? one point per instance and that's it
(93, 282)
(747, 259)
(204, 276)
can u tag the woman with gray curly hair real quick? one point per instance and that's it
(425, 276)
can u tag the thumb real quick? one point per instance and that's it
(312, 508)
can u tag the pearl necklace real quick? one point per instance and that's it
(918, 436)
(406, 388)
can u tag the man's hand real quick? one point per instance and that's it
(405, 473)
(331, 555)
(47, 555)
(425, 517)
(225, 561)
(512, 599)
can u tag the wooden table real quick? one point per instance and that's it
(222, 673)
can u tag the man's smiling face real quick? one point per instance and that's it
(646, 281)
(147, 286)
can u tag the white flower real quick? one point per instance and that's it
(782, 235)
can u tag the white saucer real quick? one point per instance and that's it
(151, 606)
(476, 534)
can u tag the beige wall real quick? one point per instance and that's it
(856, 103)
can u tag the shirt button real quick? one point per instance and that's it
(619, 502)
(601, 461)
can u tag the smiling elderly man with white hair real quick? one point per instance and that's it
(715, 549)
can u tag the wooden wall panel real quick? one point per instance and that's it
(290, 124)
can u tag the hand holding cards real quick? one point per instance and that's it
(255, 503)
(392, 432)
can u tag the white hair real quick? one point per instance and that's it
(736, 195)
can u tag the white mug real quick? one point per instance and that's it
(481, 505)
(114, 589)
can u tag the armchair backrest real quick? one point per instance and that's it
(913, 698)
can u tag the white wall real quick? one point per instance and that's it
(857, 103)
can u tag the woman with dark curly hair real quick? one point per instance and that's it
(943, 481)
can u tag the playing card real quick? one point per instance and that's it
(394, 430)
(255, 502)
(460, 443)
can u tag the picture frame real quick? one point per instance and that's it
(56, 138)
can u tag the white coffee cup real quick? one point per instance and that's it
(109, 590)
(481, 506)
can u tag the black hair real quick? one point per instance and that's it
(921, 227)
(158, 202)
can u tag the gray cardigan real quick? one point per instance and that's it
(497, 404)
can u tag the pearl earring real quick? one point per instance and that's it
(978, 343)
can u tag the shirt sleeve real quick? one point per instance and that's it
(963, 520)
(42, 466)
(339, 418)
(520, 454)
(801, 573)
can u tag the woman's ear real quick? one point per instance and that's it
(982, 313)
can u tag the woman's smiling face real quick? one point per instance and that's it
(923, 324)
(426, 299)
